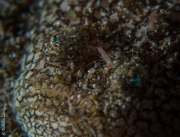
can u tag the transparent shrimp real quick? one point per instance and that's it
(105, 56)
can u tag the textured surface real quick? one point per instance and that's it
(66, 89)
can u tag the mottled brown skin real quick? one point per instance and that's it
(68, 91)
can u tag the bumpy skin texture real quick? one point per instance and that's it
(79, 95)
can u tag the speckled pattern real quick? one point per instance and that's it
(66, 89)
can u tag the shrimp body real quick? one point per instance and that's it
(105, 56)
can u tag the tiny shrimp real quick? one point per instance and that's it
(105, 56)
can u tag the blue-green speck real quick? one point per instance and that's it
(134, 79)
(54, 39)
